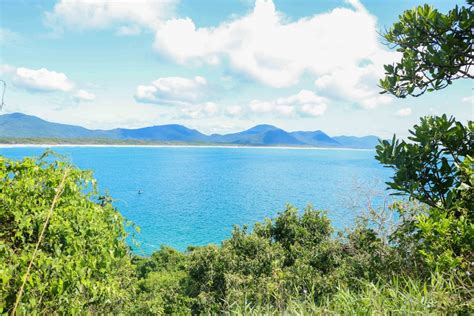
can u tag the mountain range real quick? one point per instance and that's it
(18, 125)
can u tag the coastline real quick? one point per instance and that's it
(175, 146)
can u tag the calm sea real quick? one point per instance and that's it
(193, 196)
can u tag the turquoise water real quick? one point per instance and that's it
(193, 196)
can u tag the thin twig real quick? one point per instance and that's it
(59, 191)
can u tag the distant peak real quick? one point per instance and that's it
(21, 116)
(16, 114)
(263, 128)
(170, 125)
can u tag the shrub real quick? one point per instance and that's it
(436, 169)
(82, 264)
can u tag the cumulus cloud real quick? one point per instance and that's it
(354, 84)
(305, 103)
(172, 91)
(44, 81)
(403, 112)
(80, 14)
(340, 44)
(38, 80)
(340, 49)
(206, 109)
(83, 95)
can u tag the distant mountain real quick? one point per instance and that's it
(317, 139)
(258, 135)
(19, 125)
(357, 142)
(22, 125)
(172, 132)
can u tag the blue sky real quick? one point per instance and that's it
(218, 66)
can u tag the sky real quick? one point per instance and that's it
(217, 66)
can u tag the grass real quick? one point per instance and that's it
(400, 296)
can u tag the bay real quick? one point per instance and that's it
(181, 196)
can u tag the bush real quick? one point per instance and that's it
(160, 285)
(436, 169)
(83, 264)
(294, 255)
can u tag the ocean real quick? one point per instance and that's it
(181, 196)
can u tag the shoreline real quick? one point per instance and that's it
(174, 146)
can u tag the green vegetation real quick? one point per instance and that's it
(436, 169)
(436, 49)
(294, 264)
(82, 263)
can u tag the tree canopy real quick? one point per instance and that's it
(435, 166)
(436, 49)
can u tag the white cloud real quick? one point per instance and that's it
(234, 110)
(305, 103)
(469, 100)
(184, 94)
(259, 106)
(206, 109)
(172, 91)
(354, 84)
(39, 80)
(404, 112)
(44, 81)
(99, 14)
(340, 49)
(83, 95)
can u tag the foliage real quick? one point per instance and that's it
(398, 296)
(292, 256)
(83, 263)
(436, 167)
(280, 258)
(431, 239)
(160, 285)
(294, 265)
(436, 49)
